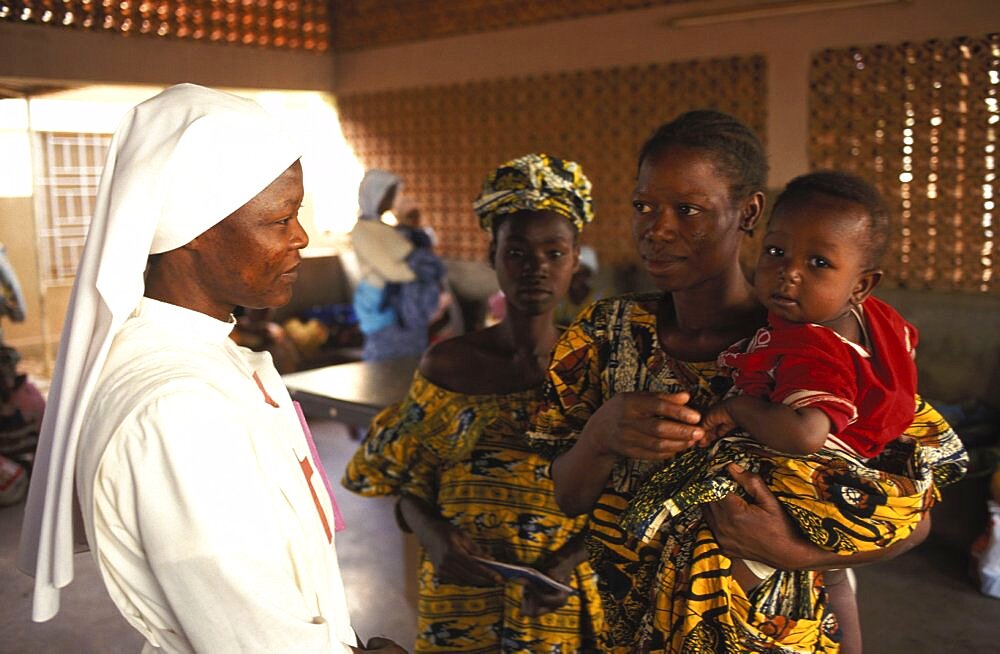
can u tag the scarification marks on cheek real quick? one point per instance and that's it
(699, 236)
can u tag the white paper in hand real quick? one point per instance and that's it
(511, 571)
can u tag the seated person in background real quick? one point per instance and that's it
(21, 411)
(409, 223)
(455, 452)
(256, 331)
(22, 408)
(399, 289)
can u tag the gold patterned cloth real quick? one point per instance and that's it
(536, 182)
(841, 502)
(467, 455)
(674, 592)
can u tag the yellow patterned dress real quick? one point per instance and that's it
(668, 587)
(467, 455)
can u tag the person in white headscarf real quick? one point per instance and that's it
(202, 498)
(400, 280)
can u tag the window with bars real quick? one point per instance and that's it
(922, 121)
(68, 169)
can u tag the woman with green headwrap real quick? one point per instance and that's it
(455, 454)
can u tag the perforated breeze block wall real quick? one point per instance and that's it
(922, 121)
(443, 140)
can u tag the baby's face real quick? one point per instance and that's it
(813, 258)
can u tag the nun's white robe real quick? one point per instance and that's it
(208, 534)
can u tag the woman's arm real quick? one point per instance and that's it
(760, 530)
(631, 425)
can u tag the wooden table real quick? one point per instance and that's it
(352, 393)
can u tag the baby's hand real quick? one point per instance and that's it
(717, 422)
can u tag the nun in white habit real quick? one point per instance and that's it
(203, 501)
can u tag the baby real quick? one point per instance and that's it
(834, 366)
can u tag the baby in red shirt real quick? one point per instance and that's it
(834, 366)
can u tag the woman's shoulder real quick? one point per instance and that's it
(448, 358)
(480, 365)
(469, 364)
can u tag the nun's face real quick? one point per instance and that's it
(254, 253)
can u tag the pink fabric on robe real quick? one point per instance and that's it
(338, 519)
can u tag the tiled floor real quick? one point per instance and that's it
(920, 603)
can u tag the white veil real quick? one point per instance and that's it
(178, 164)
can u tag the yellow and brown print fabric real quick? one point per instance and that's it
(536, 182)
(467, 454)
(670, 588)
(840, 502)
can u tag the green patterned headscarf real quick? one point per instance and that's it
(536, 182)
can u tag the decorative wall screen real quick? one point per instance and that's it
(68, 170)
(284, 24)
(444, 140)
(921, 120)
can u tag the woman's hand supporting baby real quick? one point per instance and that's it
(757, 528)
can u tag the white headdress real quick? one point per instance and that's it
(372, 191)
(179, 163)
